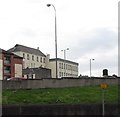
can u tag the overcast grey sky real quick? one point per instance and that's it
(87, 27)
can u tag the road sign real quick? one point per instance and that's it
(103, 86)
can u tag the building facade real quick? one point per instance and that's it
(35, 63)
(10, 65)
(36, 73)
(32, 58)
(65, 68)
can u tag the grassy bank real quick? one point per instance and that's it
(74, 95)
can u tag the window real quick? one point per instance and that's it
(32, 76)
(24, 55)
(59, 65)
(76, 68)
(7, 60)
(33, 57)
(27, 56)
(37, 59)
(59, 74)
(41, 59)
(62, 74)
(62, 65)
(66, 66)
(27, 76)
(66, 74)
(44, 60)
(32, 65)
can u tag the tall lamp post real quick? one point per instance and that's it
(65, 59)
(48, 5)
(90, 65)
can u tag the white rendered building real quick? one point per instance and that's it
(65, 68)
(32, 58)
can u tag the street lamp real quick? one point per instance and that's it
(65, 59)
(90, 65)
(48, 5)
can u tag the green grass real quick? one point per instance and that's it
(71, 95)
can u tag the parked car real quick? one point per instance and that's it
(16, 78)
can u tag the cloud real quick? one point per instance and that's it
(100, 44)
(96, 41)
(83, 26)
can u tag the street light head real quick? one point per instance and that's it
(93, 59)
(67, 48)
(48, 5)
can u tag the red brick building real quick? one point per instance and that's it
(10, 65)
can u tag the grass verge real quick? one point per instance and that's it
(71, 95)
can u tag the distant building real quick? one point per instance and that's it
(36, 73)
(10, 65)
(32, 58)
(65, 68)
(35, 63)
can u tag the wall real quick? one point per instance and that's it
(55, 83)
(61, 109)
(52, 66)
(39, 73)
(18, 70)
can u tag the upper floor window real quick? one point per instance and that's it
(41, 59)
(24, 55)
(62, 66)
(44, 60)
(6, 57)
(37, 59)
(59, 65)
(33, 57)
(28, 57)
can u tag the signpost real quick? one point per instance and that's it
(103, 87)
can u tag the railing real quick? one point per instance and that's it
(6, 71)
(6, 62)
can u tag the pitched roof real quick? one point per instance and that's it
(1, 50)
(4, 51)
(9, 53)
(26, 49)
